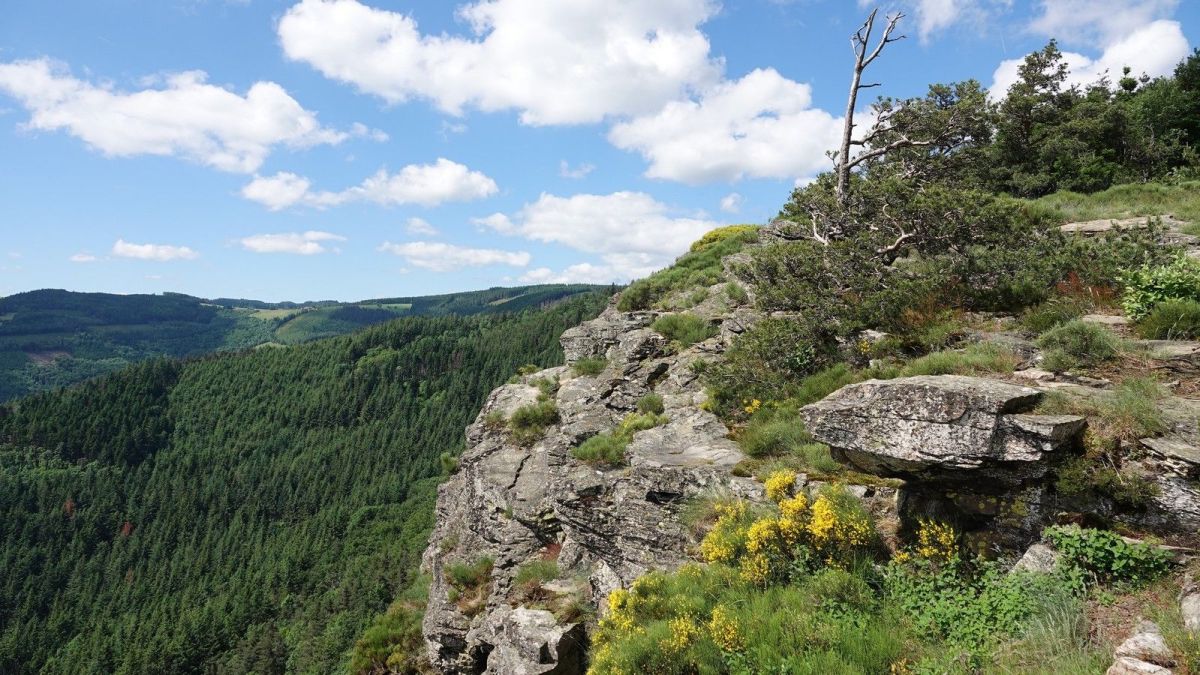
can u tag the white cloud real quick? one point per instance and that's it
(1098, 21)
(439, 257)
(555, 62)
(159, 252)
(934, 16)
(566, 171)
(297, 243)
(277, 192)
(633, 233)
(732, 202)
(83, 258)
(422, 184)
(1153, 49)
(761, 126)
(420, 227)
(185, 117)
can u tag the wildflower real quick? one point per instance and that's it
(936, 541)
(755, 568)
(723, 629)
(779, 484)
(751, 407)
(684, 632)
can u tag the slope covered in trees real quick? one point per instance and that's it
(244, 512)
(51, 338)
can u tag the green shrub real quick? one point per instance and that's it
(1132, 412)
(608, 449)
(449, 464)
(700, 267)
(650, 403)
(1053, 312)
(528, 423)
(394, 643)
(684, 329)
(735, 293)
(773, 437)
(970, 607)
(1088, 477)
(590, 366)
(1151, 284)
(983, 357)
(1171, 320)
(536, 572)
(469, 584)
(1077, 343)
(1104, 557)
(602, 449)
(528, 369)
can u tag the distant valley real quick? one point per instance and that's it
(52, 338)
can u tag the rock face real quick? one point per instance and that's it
(945, 428)
(604, 528)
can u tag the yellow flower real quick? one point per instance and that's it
(723, 629)
(684, 632)
(794, 507)
(762, 536)
(751, 407)
(755, 568)
(779, 485)
(936, 541)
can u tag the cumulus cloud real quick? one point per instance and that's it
(297, 243)
(420, 227)
(567, 171)
(732, 202)
(633, 233)
(934, 16)
(440, 257)
(421, 184)
(1153, 49)
(184, 117)
(554, 62)
(159, 252)
(760, 126)
(83, 258)
(1103, 21)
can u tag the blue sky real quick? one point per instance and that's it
(347, 149)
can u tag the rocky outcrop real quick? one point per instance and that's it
(517, 503)
(945, 428)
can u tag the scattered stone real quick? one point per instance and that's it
(1036, 375)
(941, 427)
(1127, 666)
(1189, 605)
(1176, 453)
(1147, 644)
(1095, 227)
(1110, 320)
(1037, 558)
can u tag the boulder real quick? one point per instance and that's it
(1127, 666)
(530, 642)
(1146, 643)
(941, 428)
(1037, 558)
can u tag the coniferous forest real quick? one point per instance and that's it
(238, 513)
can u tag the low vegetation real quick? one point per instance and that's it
(699, 267)
(1171, 320)
(470, 583)
(1147, 286)
(590, 366)
(684, 329)
(608, 449)
(1077, 344)
(528, 423)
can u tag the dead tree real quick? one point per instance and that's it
(864, 56)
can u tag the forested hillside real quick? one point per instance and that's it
(50, 338)
(239, 513)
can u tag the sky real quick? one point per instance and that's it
(353, 149)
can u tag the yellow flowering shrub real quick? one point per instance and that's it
(936, 542)
(723, 629)
(838, 526)
(779, 485)
(727, 540)
(684, 632)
